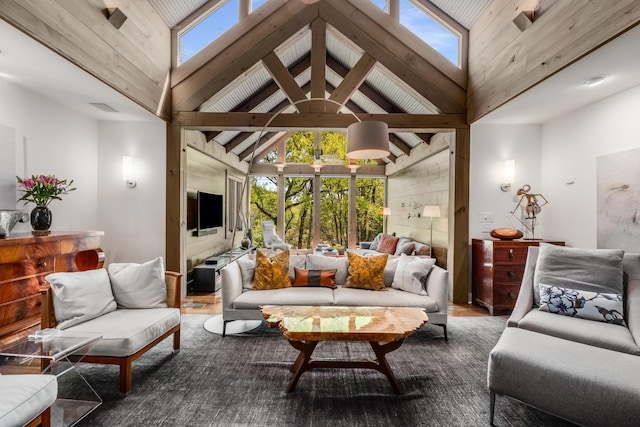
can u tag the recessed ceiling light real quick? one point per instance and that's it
(104, 107)
(595, 80)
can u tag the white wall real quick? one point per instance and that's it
(570, 147)
(491, 145)
(133, 219)
(56, 141)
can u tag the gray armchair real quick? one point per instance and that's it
(271, 239)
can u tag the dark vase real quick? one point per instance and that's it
(245, 243)
(41, 220)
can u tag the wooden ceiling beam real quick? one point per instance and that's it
(379, 38)
(266, 138)
(270, 169)
(246, 51)
(266, 147)
(198, 120)
(351, 82)
(210, 135)
(395, 140)
(380, 100)
(286, 82)
(426, 137)
(318, 62)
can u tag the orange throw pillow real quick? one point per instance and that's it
(366, 272)
(388, 244)
(272, 272)
(315, 278)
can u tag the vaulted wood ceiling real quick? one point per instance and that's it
(352, 54)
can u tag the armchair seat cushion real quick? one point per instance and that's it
(286, 296)
(24, 397)
(598, 334)
(388, 297)
(125, 331)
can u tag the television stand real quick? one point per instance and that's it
(205, 274)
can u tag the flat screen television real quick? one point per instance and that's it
(210, 211)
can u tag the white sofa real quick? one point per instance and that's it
(26, 399)
(135, 307)
(585, 371)
(241, 302)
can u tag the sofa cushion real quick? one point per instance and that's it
(315, 278)
(126, 331)
(80, 296)
(24, 397)
(247, 264)
(388, 298)
(595, 270)
(296, 261)
(390, 270)
(598, 334)
(139, 285)
(412, 274)
(583, 304)
(321, 262)
(272, 272)
(405, 246)
(291, 296)
(375, 242)
(366, 272)
(388, 244)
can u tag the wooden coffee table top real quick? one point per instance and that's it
(327, 323)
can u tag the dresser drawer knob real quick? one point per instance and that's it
(511, 274)
(512, 254)
(42, 264)
(512, 295)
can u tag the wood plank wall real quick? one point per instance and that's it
(504, 62)
(134, 60)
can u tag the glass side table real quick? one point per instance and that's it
(52, 351)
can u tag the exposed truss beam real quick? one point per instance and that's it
(318, 62)
(262, 169)
(266, 147)
(251, 121)
(266, 140)
(395, 140)
(351, 82)
(285, 81)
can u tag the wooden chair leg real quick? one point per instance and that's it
(125, 376)
(492, 406)
(176, 341)
(42, 420)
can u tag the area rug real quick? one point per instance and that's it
(241, 380)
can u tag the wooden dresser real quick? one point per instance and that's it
(497, 269)
(25, 261)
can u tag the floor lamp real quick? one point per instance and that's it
(431, 211)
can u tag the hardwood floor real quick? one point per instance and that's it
(192, 304)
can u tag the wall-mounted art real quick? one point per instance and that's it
(618, 198)
(8, 170)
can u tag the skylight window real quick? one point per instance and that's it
(417, 18)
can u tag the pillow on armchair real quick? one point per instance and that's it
(80, 296)
(139, 285)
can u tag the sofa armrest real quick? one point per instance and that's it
(438, 287)
(365, 245)
(47, 315)
(524, 302)
(231, 283)
(173, 282)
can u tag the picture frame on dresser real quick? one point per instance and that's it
(497, 267)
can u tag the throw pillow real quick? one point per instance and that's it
(80, 296)
(583, 304)
(390, 270)
(315, 278)
(412, 274)
(388, 244)
(366, 272)
(272, 272)
(247, 264)
(321, 262)
(139, 285)
(594, 270)
(403, 244)
(376, 241)
(296, 261)
(421, 249)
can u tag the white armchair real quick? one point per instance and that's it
(271, 239)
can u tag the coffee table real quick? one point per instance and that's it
(306, 326)
(54, 352)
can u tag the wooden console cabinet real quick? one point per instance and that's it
(25, 260)
(497, 270)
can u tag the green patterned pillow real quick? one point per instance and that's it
(272, 272)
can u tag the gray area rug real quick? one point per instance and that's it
(241, 381)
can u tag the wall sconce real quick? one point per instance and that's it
(509, 175)
(524, 19)
(115, 16)
(128, 174)
(280, 167)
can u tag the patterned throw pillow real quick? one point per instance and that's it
(272, 272)
(366, 272)
(315, 278)
(388, 244)
(583, 304)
